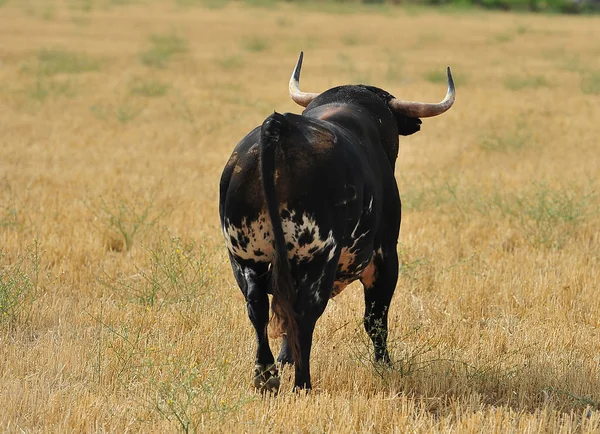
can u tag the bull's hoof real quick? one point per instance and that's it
(266, 378)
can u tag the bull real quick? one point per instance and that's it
(308, 204)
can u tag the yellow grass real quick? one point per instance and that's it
(119, 309)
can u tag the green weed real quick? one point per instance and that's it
(9, 215)
(125, 219)
(184, 111)
(44, 88)
(178, 272)
(180, 388)
(163, 48)
(126, 113)
(19, 285)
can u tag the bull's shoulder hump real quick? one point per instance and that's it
(328, 111)
(317, 132)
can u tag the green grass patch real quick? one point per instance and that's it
(81, 5)
(544, 215)
(162, 49)
(350, 8)
(262, 3)
(507, 140)
(548, 216)
(231, 62)
(44, 88)
(148, 87)
(435, 76)
(351, 39)
(439, 76)
(354, 75)
(517, 82)
(51, 62)
(255, 44)
(503, 37)
(123, 113)
(210, 4)
(122, 2)
(590, 83)
(429, 38)
(522, 29)
(395, 64)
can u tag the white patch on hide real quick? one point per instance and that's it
(294, 231)
(254, 239)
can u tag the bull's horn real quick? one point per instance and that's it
(299, 97)
(425, 110)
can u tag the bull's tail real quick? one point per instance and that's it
(284, 293)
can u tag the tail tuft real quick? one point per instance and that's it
(273, 128)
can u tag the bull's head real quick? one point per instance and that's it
(401, 109)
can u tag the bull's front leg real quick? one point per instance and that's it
(379, 280)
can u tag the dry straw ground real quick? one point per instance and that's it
(118, 308)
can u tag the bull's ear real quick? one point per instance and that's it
(407, 126)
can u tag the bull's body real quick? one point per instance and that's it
(309, 204)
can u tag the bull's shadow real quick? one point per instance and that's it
(438, 374)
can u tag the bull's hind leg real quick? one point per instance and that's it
(379, 281)
(253, 281)
(313, 295)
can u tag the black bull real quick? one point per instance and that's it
(309, 204)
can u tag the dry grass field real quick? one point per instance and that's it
(118, 309)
